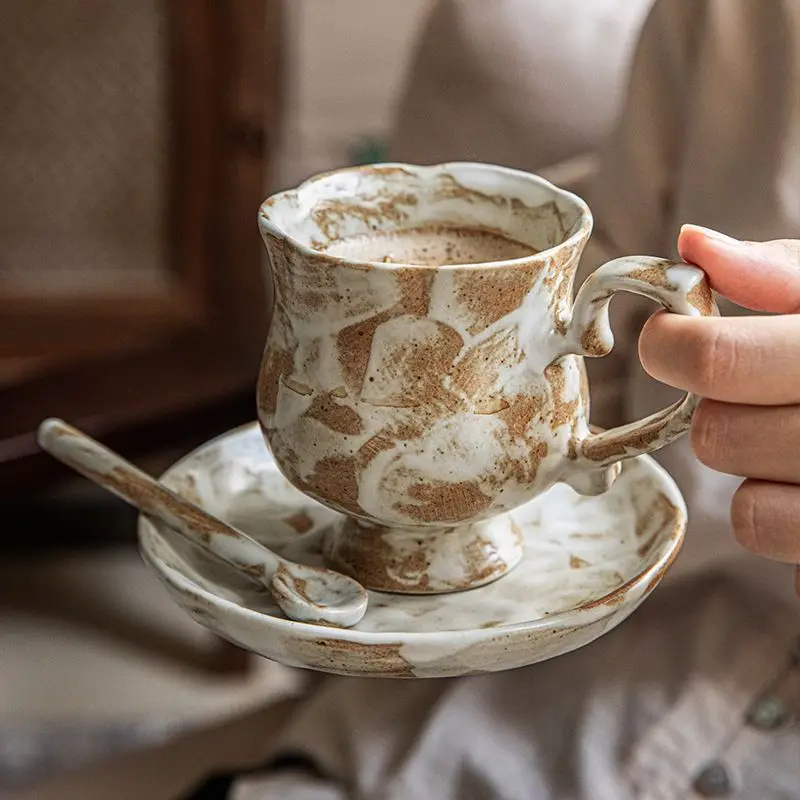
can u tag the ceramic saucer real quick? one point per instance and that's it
(587, 564)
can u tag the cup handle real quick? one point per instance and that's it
(680, 289)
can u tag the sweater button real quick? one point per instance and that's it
(767, 714)
(713, 781)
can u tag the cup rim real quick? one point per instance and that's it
(268, 225)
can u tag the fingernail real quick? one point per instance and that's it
(715, 236)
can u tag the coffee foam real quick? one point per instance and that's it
(430, 246)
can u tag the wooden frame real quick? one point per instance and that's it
(220, 69)
(199, 341)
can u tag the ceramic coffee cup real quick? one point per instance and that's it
(426, 400)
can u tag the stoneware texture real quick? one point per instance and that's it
(587, 563)
(426, 402)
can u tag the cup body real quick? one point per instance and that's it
(413, 396)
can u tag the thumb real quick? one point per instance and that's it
(762, 276)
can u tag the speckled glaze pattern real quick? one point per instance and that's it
(587, 563)
(425, 402)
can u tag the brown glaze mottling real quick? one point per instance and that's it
(335, 479)
(375, 445)
(591, 341)
(283, 580)
(563, 410)
(487, 295)
(383, 660)
(521, 412)
(614, 446)
(146, 498)
(644, 549)
(330, 215)
(572, 448)
(379, 566)
(276, 365)
(440, 501)
(476, 374)
(654, 275)
(559, 279)
(526, 470)
(307, 297)
(411, 425)
(354, 345)
(450, 189)
(680, 523)
(415, 290)
(612, 598)
(336, 417)
(660, 518)
(384, 563)
(414, 369)
(490, 406)
(300, 522)
(481, 568)
(702, 298)
(297, 387)
(662, 510)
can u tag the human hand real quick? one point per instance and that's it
(748, 368)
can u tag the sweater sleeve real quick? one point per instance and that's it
(634, 192)
(709, 134)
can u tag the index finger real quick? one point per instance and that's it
(749, 360)
(762, 276)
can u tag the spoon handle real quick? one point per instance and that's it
(112, 472)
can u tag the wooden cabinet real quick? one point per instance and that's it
(135, 149)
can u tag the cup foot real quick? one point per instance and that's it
(424, 560)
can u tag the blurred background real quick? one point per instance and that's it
(137, 141)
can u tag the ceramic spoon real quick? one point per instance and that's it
(306, 594)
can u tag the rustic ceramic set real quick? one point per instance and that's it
(428, 436)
